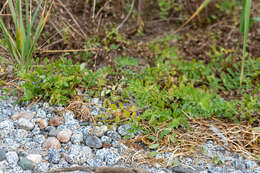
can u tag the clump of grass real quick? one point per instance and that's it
(21, 45)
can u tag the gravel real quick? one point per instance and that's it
(35, 139)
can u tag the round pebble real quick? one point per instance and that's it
(26, 115)
(54, 156)
(99, 131)
(51, 142)
(77, 137)
(64, 135)
(25, 124)
(26, 164)
(36, 158)
(12, 157)
(42, 123)
(2, 154)
(54, 121)
(93, 142)
(79, 154)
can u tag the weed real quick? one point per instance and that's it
(216, 160)
(56, 82)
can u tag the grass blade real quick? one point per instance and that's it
(246, 19)
(201, 7)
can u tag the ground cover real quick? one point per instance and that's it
(163, 84)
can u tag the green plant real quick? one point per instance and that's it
(226, 5)
(244, 27)
(245, 24)
(165, 6)
(216, 160)
(22, 45)
(56, 82)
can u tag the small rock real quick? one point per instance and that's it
(236, 171)
(215, 169)
(69, 117)
(42, 123)
(10, 144)
(122, 130)
(70, 122)
(93, 142)
(86, 130)
(26, 115)
(109, 156)
(250, 164)
(54, 121)
(53, 132)
(256, 170)
(77, 137)
(43, 167)
(26, 164)
(25, 124)
(36, 130)
(183, 170)
(79, 154)
(54, 156)
(12, 157)
(64, 135)
(238, 164)
(41, 113)
(95, 112)
(96, 163)
(51, 142)
(113, 135)
(21, 134)
(95, 101)
(106, 140)
(99, 131)
(36, 158)
(39, 139)
(6, 127)
(2, 155)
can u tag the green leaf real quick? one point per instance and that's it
(113, 107)
(154, 146)
(245, 27)
(164, 133)
(153, 138)
(153, 154)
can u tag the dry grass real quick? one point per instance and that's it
(241, 138)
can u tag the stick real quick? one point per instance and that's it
(100, 170)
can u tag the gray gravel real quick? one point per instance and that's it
(29, 143)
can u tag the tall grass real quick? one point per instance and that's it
(244, 27)
(21, 44)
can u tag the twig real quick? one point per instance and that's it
(72, 17)
(99, 22)
(93, 9)
(71, 169)
(3, 15)
(219, 134)
(100, 170)
(67, 51)
(4, 7)
(128, 15)
(99, 11)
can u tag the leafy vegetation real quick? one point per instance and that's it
(159, 97)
